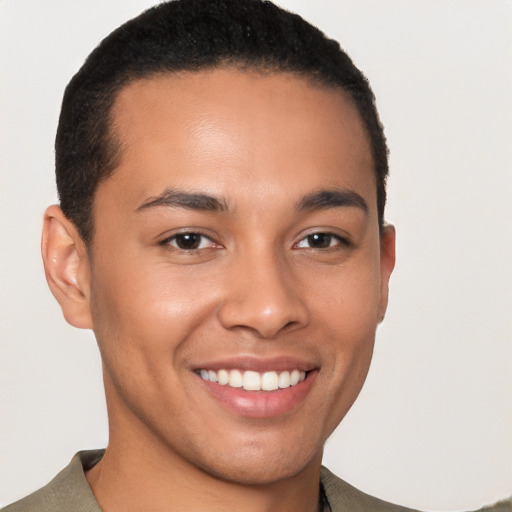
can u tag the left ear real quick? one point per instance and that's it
(387, 264)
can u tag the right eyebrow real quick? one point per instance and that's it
(191, 200)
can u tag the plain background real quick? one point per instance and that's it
(432, 428)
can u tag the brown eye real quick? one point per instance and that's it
(188, 241)
(322, 241)
(319, 240)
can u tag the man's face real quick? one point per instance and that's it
(238, 239)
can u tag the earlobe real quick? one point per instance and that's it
(387, 264)
(66, 265)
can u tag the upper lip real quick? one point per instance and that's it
(257, 364)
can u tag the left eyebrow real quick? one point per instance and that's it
(325, 199)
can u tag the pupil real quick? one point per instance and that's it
(319, 240)
(188, 241)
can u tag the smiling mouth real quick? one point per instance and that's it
(254, 381)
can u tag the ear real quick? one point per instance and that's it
(66, 265)
(387, 264)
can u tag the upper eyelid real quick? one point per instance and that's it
(186, 231)
(335, 232)
(170, 243)
(171, 237)
(342, 239)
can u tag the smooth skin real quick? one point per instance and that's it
(259, 271)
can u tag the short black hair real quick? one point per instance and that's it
(193, 35)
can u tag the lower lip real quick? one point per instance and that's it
(261, 404)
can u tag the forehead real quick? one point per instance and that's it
(232, 127)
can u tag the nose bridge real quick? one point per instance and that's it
(263, 295)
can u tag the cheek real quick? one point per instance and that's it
(347, 299)
(147, 309)
(346, 311)
(350, 316)
(141, 320)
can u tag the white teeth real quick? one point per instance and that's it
(235, 379)
(284, 380)
(269, 381)
(254, 381)
(294, 377)
(223, 377)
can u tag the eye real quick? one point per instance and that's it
(189, 241)
(321, 241)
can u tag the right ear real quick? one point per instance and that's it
(66, 266)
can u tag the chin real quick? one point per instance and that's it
(251, 467)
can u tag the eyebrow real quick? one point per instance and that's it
(325, 199)
(190, 200)
(320, 200)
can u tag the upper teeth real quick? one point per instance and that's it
(254, 381)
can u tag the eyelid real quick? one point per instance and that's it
(344, 239)
(166, 242)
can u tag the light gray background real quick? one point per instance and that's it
(432, 428)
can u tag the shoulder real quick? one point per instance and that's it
(501, 506)
(69, 490)
(343, 496)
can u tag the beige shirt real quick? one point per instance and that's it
(70, 492)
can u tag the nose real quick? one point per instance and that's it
(263, 296)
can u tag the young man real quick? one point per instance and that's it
(221, 170)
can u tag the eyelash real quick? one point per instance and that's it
(331, 237)
(196, 239)
(193, 235)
